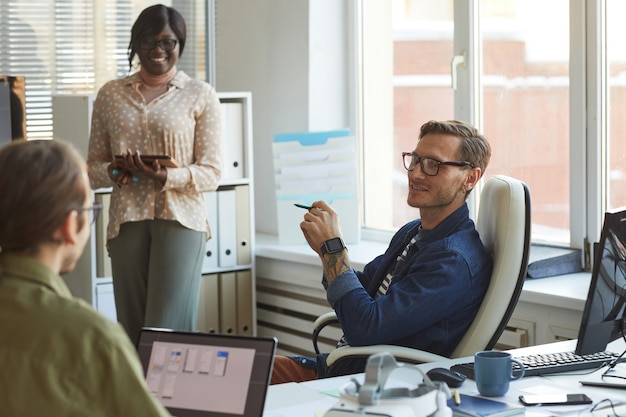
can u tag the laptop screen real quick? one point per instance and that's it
(207, 375)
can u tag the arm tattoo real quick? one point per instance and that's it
(335, 264)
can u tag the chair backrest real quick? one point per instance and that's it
(504, 227)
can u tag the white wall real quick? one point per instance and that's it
(293, 56)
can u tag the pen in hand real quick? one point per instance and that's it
(457, 397)
(303, 206)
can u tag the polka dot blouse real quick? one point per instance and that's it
(185, 123)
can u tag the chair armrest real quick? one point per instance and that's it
(401, 353)
(320, 323)
(325, 319)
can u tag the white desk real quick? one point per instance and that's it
(309, 400)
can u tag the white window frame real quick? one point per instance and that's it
(588, 106)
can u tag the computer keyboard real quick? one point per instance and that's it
(550, 363)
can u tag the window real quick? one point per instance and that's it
(525, 96)
(524, 82)
(74, 47)
(616, 76)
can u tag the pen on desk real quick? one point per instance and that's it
(303, 206)
(457, 397)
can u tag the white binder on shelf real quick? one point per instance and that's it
(242, 212)
(211, 253)
(244, 303)
(227, 227)
(228, 302)
(103, 261)
(311, 166)
(232, 140)
(209, 304)
(105, 300)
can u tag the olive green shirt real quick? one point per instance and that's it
(60, 357)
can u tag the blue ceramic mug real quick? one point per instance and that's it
(493, 371)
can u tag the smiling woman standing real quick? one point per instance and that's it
(157, 224)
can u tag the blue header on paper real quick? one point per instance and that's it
(311, 138)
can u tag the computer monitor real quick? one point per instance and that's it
(603, 316)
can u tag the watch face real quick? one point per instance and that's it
(334, 245)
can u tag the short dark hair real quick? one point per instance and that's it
(151, 22)
(474, 149)
(41, 182)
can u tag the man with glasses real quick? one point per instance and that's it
(425, 290)
(59, 356)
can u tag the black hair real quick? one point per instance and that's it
(151, 22)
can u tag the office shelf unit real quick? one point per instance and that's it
(227, 290)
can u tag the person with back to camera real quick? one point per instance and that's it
(59, 356)
(158, 228)
(425, 290)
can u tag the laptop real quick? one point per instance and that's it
(205, 374)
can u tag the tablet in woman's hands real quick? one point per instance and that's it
(164, 160)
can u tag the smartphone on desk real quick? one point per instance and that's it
(555, 399)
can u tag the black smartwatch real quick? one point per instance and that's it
(334, 245)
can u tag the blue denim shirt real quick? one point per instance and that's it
(432, 299)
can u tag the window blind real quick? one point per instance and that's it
(67, 47)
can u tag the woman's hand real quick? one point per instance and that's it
(118, 173)
(138, 169)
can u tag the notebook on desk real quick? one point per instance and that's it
(207, 375)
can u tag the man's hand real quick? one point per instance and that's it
(320, 224)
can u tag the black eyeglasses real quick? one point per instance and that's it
(165, 44)
(429, 166)
(93, 210)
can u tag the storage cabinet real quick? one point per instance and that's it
(227, 290)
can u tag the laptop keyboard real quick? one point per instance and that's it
(550, 363)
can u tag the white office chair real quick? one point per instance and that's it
(504, 227)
